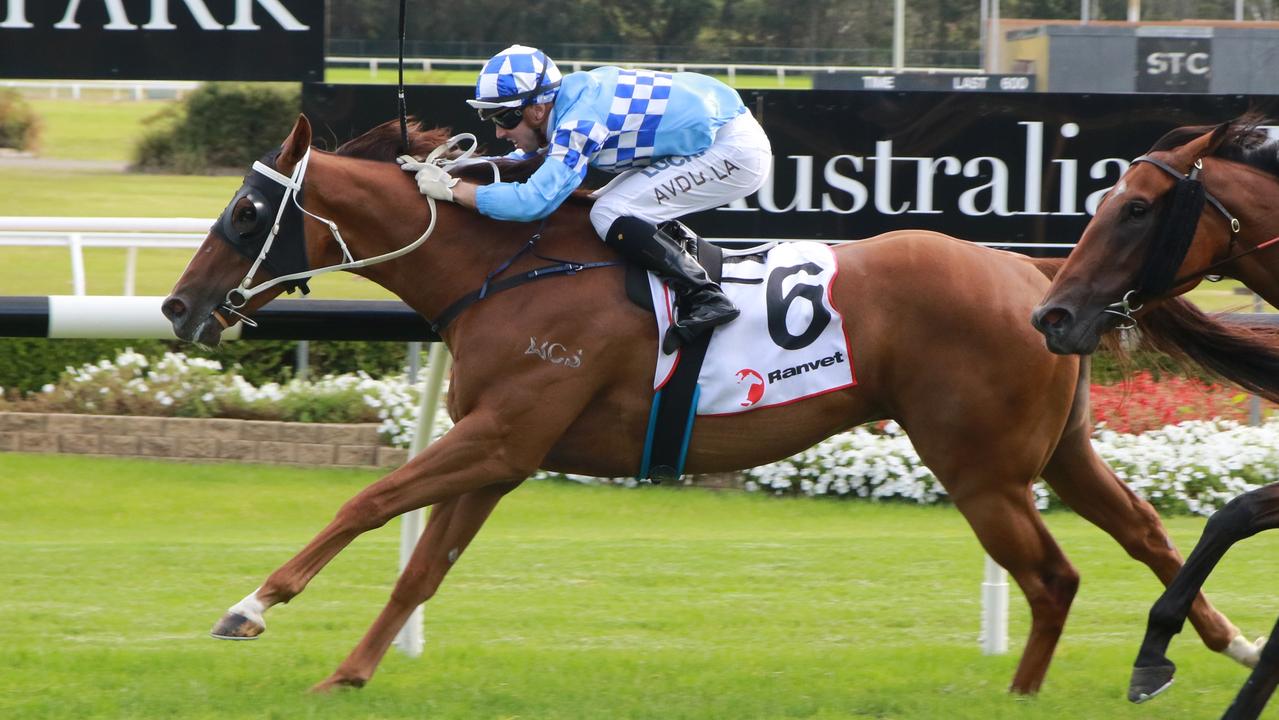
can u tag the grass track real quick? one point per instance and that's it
(575, 602)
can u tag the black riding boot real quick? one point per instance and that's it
(703, 303)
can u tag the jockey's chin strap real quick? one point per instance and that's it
(239, 296)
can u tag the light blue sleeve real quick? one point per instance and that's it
(572, 145)
(534, 199)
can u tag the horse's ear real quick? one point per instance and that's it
(295, 145)
(1219, 136)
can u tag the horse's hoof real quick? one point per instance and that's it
(337, 682)
(1148, 682)
(234, 626)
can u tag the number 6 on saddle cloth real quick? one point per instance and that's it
(788, 344)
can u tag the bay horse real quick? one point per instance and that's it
(940, 345)
(1202, 200)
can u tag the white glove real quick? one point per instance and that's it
(432, 180)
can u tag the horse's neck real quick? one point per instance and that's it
(385, 213)
(1254, 197)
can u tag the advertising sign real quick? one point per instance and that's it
(930, 82)
(162, 39)
(1009, 169)
(1174, 64)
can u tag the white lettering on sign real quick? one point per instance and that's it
(1173, 63)
(969, 83)
(160, 16)
(846, 185)
(244, 16)
(16, 16)
(879, 82)
(118, 18)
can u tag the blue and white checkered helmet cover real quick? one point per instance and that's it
(514, 72)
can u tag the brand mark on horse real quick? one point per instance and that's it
(554, 353)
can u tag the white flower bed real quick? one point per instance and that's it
(1195, 466)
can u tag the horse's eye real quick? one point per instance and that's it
(245, 218)
(1138, 209)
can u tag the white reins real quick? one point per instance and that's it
(240, 295)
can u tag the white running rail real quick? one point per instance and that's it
(120, 89)
(76, 234)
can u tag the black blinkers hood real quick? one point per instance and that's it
(1173, 237)
(288, 251)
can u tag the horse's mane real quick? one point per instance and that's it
(382, 143)
(1245, 142)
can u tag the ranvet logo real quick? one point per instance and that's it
(755, 387)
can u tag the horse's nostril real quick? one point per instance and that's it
(173, 308)
(1051, 318)
(1055, 317)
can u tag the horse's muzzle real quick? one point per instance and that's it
(1062, 331)
(199, 327)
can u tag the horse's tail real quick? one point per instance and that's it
(1243, 354)
(1048, 266)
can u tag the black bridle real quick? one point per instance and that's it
(1172, 241)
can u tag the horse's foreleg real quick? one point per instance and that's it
(482, 449)
(452, 526)
(1241, 518)
(1256, 692)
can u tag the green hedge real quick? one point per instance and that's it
(217, 127)
(27, 364)
(19, 124)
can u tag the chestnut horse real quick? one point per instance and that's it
(939, 341)
(1203, 200)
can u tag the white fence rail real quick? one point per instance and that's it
(76, 234)
(119, 89)
(152, 89)
(731, 69)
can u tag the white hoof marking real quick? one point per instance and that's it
(1244, 652)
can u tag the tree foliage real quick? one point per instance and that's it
(588, 29)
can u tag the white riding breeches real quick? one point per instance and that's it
(734, 166)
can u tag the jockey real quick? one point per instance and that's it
(680, 142)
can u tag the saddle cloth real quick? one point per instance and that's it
(788, 344)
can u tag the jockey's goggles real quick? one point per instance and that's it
(505, 118)
(503, 114)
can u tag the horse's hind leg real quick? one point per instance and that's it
(1254, 695)
(452, 526)
(1241, 518)
(1011, 531)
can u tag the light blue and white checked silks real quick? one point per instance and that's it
(614, 119)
